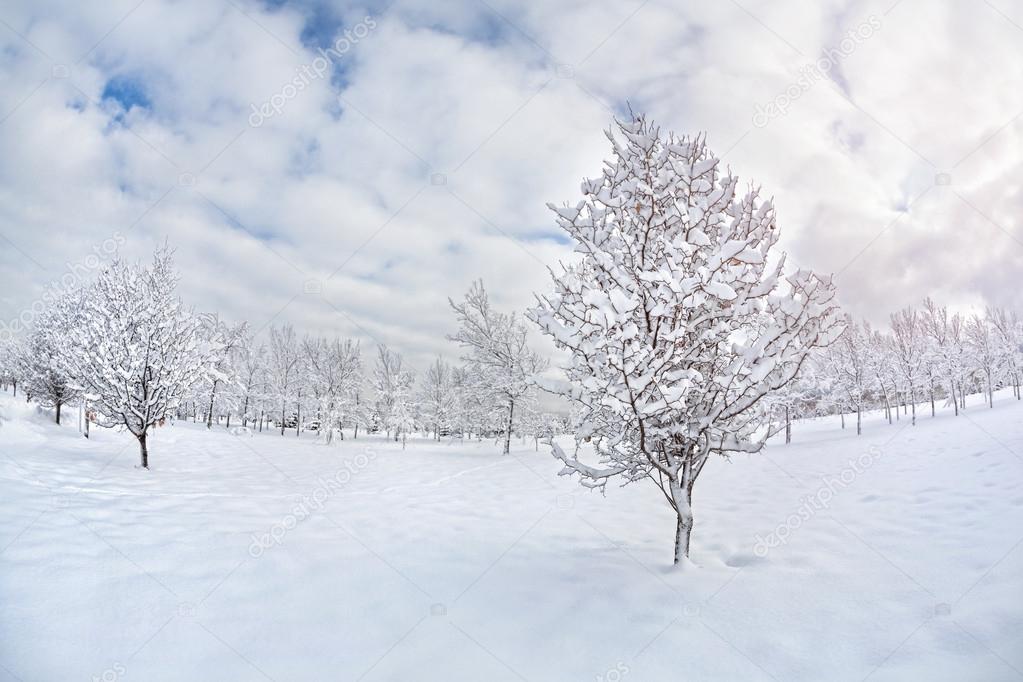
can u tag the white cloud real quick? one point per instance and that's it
(508, 102)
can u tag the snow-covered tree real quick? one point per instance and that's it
(436, 399)
(983, 345)
(334, 369)
(496, 346)
(849, 361)
(139, 349)
(1009, 344)
(8, 363)
(42, 357)
(221, 382)
(908, 352)
(881, 367)
(676, 325)
(386, 376)
(401, 416)
(283, 371)
(250, 365)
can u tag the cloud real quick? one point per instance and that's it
(425, 157)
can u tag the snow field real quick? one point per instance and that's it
(266, 557)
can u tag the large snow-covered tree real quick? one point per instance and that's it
(496, 347)
(139, 349)
(676, 321)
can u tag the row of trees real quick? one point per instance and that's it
(127, 350)
(925, 356)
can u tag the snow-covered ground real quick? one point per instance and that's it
(260, 557)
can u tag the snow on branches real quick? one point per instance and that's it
(138, 349)
(497, 353)
(677, 319)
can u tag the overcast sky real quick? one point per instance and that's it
(358, 197)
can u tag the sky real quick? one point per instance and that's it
(347, 167)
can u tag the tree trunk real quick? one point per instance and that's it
(842, 417)
(788, 426)
(507, 435)
(683, 531)
(859, 421)
(932, 397)
(58, 412)
(209, 413)
(282, 420)
(144, 451)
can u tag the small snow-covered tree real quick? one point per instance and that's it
(387, 381)
(283, 370)
(250, 363)
(466, 401)
(882, 369)
(401, 416)
(223, 377)
(435, 398)
(496, 345)
(1009, 344)
(8, 363)
(849, 361)
(139, 349)
(907, 347)
(676, 325)
(983, 345)
(335, 367)
(42, 357)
